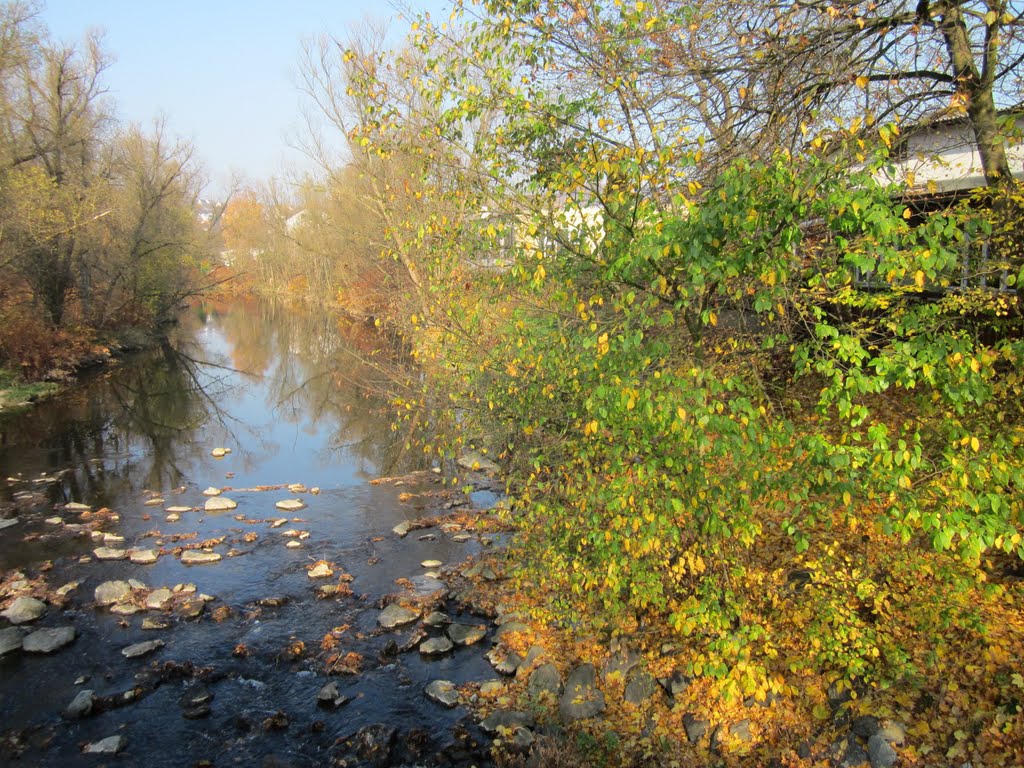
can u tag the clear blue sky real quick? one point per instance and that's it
(222, 72)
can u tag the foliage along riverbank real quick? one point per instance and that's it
(761, 410)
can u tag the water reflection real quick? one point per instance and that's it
(278, 386)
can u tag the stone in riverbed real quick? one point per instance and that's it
(504, 718)
(431, 563)
(48, 640)
(436, 646)
(211, 491)
(396, 616)
(110, 553)
(173, 517)
(544, 679)
(220, 453)
(108, 746)
(149, 623)
(290, 505)
(142, 556)
(74, 506)
(294, 545)
(178, 510)
(330, 697)
(436, 619)
(581, 699)
(125, 609)
(54, 521)
(141, 649)
(198, 557)
(24, 610)
(402, 529)
(219, 504)
(474, 460)
(8, 523)
(81, 705)
(466, 634)
(507, 663)
(110, 592)
(443, 692)
(155, 502)
(10, 639)
(158, 598)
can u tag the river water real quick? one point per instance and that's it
(292, 397)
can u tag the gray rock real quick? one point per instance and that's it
(523, 740)
(640, 686)
(848, 753)
(695, 727)
(24, 610)
(110, 592)
(374, 744)
(402, 529)
(111, 745)
(110, 553)
(125, 609)
(141, 649)
(192, 608)
(880, 752)
(534, 653)
(81, 705)
(505, 662)
(544, 679)
(330, 697)
(436, 619)
(427, 584)
(620, 663)
(157, 599)
(581, 699)
(738, 731)
(142, 556)
(396, 616)
(865, 726)
(48, 640)
(436, 646)
(198, 557)
(219, 504)
(504, 718)
(443, 692)
(9, 522)
(466, 634)
(290, 505)
(149, 623)
(675, 684)
(10, 639)
(136, 584)
(893, 733)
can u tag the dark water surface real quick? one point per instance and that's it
(289, 396)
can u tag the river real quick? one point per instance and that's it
(292, 398)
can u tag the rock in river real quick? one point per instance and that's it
(330, 697)
(219, 504)
(48, 640)
(24, 610)
(320, 571)
(81, 705)
(443, 692)
(108, 746)
(141, 649)
(220, 453)
(110, 592)
(142, 556)
(198, 557)
(110, 553)
(290, 505)
(158, 598)
(10, 639)
(466, 634)
(396, 616)
(436, 646)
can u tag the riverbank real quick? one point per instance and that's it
(18, 393)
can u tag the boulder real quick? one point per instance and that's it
(10, 639)
(436, 646)
(110, 553)
(504, 718)
(48, 640)
(157, 599)
(544, 679)
(142, 556)
(396, 616)
(111, 745)
(466, 634)
(81, 705)
(581, 699)
(24, 610)
(110, 592)
(219, 504)
(443, 692)
(290, 505)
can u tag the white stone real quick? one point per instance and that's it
(198, 557)
(178, 509)
(155, 502)
(290, 505)
(431, 563)
(320, 571)
(142, 556)
(219, 504)
(211, 491)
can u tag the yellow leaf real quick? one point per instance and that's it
(862, 82)
(990, 18)
(906, 213)
(975, 444)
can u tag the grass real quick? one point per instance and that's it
(17, 394)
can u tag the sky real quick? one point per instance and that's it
(222, 73)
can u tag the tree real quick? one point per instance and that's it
(906, 61)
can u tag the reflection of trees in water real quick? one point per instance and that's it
(323, 370)
(130, 427)
(139, 425)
